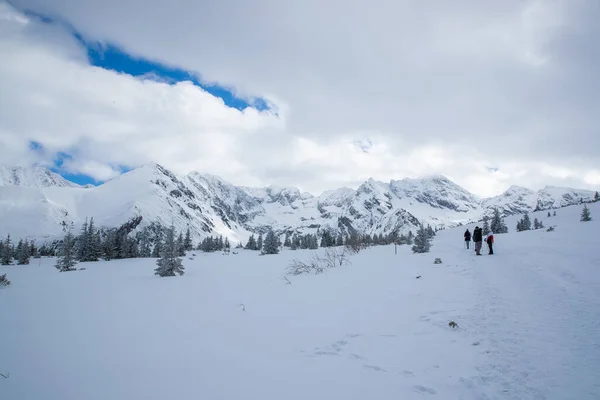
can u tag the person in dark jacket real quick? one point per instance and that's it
(478, 239)
(467, 238)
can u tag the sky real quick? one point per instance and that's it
(311, 94)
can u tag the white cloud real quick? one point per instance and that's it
(426, 87)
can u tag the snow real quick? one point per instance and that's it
(31, 177)
(208, 205)
(527, 324)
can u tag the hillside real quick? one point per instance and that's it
(232, 328)
(36, 203)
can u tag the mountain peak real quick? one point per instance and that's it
(34, 176)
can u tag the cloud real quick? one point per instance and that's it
(436, 87)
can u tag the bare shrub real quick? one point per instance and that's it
(335, 257)
(298, 267)
(332, 258)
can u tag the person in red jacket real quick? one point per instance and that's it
(490, 241)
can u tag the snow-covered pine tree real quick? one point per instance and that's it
(287, 242)
(94, 242)
(497, 225)
(66, 260)
(19, 249)
(313, 242)
(143, 238)
(339, 240)
(422, 243)
(82, 243)
(430, 232)
(251, 245)
(485, 229)
(6, 257)
(536, 223)
(24, 253)
(549, 215)
(109, 245)
(585, 214)
(271, 243)
(259, 242)
(410, 237)
(169, 263)
(187, 241)
(294, 242)
(596, 197)
(402, 239)
(526, 222)
(180, 245)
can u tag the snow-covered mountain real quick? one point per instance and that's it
(37, 203)
(32, 177)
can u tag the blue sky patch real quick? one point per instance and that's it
(111, 57)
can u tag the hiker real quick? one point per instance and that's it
(490, 241)
(477, 238)
(467, 237)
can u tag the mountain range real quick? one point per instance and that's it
(37, 203)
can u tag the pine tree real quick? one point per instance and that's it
(430, 232)
(6, 257)
(82, 247)
(259, 242)
(422, 243)
(526, 222)
(596, 197)
(271, 244)
(410, 237)
(109, 246)
(19, 249)
(485, 229)
(498, 225)
(67, 255)
(187, 242)
(340, 240)
(251, 245)
(180, 245)
(169, 263)
(294, 242)
(287, 241)
(94, 242)
(536, 223)
(554, 214)
(24, 254)
(549, 214)
(585, 214)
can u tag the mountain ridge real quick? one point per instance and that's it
(38, 203)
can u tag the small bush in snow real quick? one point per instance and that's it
(4, 280)
(550, 229)
(312, 266)
(437, 261)
(332, 257)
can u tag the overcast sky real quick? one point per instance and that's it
(489, 93)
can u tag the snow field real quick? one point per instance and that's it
(527, 316)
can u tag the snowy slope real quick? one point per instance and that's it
(32, 177)
(36, 203)
(527, 324)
